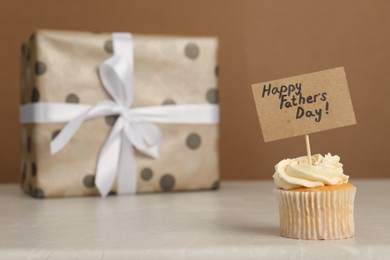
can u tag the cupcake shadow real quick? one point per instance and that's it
(246, 228)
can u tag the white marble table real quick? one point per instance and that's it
(240, 221)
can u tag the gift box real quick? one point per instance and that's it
(118, 113)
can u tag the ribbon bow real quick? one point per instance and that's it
(116, 74)
(133, 127)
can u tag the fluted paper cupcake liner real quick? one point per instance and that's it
(316, 214)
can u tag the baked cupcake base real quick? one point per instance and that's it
(317, 213)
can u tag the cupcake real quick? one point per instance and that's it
(315, 201)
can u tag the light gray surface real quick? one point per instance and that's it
(240, 221)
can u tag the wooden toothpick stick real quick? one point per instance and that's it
(308, 148)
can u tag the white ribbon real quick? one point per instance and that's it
(134, 126)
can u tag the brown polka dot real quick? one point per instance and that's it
(110, 120)
(38, 193)
(108, 47)
(216, 185)
(167, 182)
(146, 174)
(72, 98)
(168, 102)
(55, 133)
(33, 169)
(216, 71)
(40, 68)
(212, 96)
(193, 141)
(35, 96)
(191, 51)
(89, 181)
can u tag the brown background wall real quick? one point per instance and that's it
(260, 41)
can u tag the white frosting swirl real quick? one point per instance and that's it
(296, 173)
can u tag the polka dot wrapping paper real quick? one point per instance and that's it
(62, 67)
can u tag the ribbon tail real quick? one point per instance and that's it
(66, 134)
(108, 160)
(127, 168)
(101, 109)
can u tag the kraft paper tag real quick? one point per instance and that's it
(303, 104)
